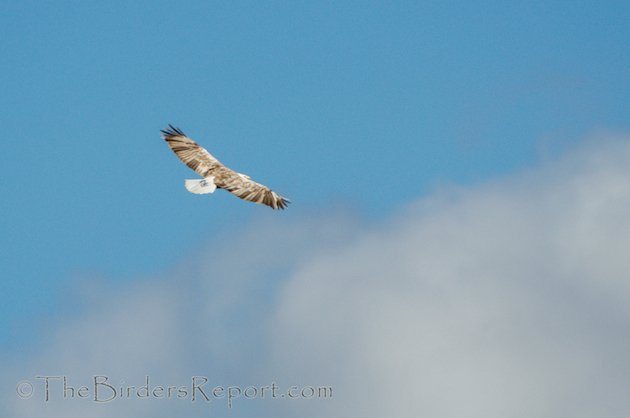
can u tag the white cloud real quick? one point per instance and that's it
(507, 299)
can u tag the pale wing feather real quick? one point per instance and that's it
(248, 189)
(190, 153)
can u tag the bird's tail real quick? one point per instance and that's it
(201, 186)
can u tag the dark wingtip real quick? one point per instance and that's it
(283, 203)
(171, 131)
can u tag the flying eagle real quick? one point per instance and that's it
(216, 175)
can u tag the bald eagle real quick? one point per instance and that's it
(216, 175)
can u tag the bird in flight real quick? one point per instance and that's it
(216, 175)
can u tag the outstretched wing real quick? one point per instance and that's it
(247, 189)
(205, 164)
(191, 154)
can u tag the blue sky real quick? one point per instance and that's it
(362, 107)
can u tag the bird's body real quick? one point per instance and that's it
(215, 174)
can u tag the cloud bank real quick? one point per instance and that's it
(507, 299)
